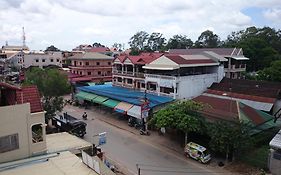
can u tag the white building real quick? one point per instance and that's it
(43, 59)
(275, 154)
(173, 75)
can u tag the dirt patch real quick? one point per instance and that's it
(242, 168)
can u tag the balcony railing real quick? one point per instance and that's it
(129, 73)
(160, 76)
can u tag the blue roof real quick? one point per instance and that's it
(126, 95)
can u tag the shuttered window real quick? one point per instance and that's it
(9, 143)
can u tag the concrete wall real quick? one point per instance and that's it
(16, 119)
(274, 164)
(192, 86)
(30, 59)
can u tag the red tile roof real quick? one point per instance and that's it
(180, 60)
(219, 51)
(143, 58)
(99, 49)
(219, 108)
(30, 94)
(242, 96)
(249, 87)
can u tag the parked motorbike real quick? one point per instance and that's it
(144, 132)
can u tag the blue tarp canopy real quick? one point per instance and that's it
(126, 95)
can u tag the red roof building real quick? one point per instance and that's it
(12, 95)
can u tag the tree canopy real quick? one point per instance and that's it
(272, 73)
(52, 84)
(208, 39)
(52, 48)
(179, 42)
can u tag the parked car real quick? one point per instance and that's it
(68, 123)
(197, 152)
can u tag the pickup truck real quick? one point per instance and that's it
(68, 123)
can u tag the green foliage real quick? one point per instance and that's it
(179, 42)
(272, 73)
(208, 39)
(52, 48)
(52, 84)
(180, 115)
(261, 45)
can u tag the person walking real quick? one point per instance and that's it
(85, 116)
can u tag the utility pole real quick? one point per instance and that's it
(138, 168)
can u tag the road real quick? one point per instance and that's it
(129, 149)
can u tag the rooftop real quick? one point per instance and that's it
(220, 51)
(90, 56)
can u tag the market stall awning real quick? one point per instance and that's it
(86, 96)
(135, 111)
(111, 103)
(123, 107)
(99, 99)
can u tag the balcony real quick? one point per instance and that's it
(129, 73)
(236, 68)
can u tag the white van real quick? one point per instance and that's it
(197, 152)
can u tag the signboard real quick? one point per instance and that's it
(102, 138)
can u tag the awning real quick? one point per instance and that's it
(135, 111)
(160, 67)
(86, 95)
(123, 107)
(240, 58)
(111, 103)
(99, 99)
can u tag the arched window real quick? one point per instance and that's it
(37, 133)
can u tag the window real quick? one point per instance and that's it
(89, 73)
(98, 63)
(109, 63)
(142, 85)
(129, 81)
(43, 60)
(9, 143)
(80, 73)
(80, 63)
(37, 133)
(99, 72)
(58, 60)
(87, 63)
(119, 79)
(36, 60)
(52, 60)
(108, 72)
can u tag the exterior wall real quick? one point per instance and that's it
(16, 119)
(192, 86)
(96, 69)
(31, 59)
(274, 163)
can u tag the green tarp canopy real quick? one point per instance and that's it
(99, 99)
(85, 95)
(111, 103)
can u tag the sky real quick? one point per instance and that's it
(69, 23)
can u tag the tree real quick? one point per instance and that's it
(118, 46)
(52, 84)
(182, 115)
(228, 137)
(156, 42)
(179, 42)
(98, 45)
(208, 39)
(272, 73)
(52, 48)
(139, 40)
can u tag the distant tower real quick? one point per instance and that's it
(23, 37)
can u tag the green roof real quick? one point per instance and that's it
(99, 99)
(111, 103)
(85, 95)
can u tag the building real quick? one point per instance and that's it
(128, 71)
(101, 50)
(261, 95)
(23, 135)
(274, 162)
(91, 67)
(233, 68)
(43, 59)
(169, 74)
(26, 149)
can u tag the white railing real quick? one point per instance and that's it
(160, 76)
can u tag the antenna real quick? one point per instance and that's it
(23, 37)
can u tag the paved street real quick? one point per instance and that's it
(129, 149)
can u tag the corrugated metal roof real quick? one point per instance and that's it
(276, 141)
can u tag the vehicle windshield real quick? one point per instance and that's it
(206, 152)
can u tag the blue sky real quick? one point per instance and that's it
(68, 23)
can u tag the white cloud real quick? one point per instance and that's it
(67, 23)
